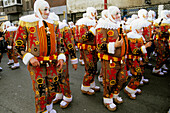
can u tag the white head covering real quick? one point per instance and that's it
(112, 10)
(150, 13)
(104, 13)
(91, 10)
(142, 13)
(164, 14)
(84, 15)
(134, 16)
(7, 23)
(64, 21)
(37, 6)
(137, 24)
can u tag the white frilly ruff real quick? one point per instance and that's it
(106, 24)
(86, 21)
(165, 21)
(12, 28)
(33, 18)
(62, 25)
(135, 36)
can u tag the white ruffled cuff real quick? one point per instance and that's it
(9, 47)
(143, 49)
(27, 57)
(67, 99)
(93, 30)
(74, 61)
(108, 100)
(62, 56)
(111, 47)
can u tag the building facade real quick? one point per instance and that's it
(72, 10)
(12, 10)
(76, 8)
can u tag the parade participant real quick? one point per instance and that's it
(104, 15)
(36, 41)
(88, 46)
(161, 27)
(77, 35)
(136, 49)
(67, 40)
(129, 20)
(112, 46)
(1, 45)
(147, 34)
(151, 18)
(9, 38)
(73, 31)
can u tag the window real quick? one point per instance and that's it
(19, 1)
(11, 2)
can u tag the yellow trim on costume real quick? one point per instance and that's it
(112, 82)
(44, 111)
(19, 43)
(92, 32)
(141, 49)
(85, 86)
(55, 78)
(24, 55)
(74, 59)
(40, 82)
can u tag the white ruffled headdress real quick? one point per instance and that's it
(91, 10)
(142, 13)
(112, 12)
(37, 6)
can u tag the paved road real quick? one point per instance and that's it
(16, 95)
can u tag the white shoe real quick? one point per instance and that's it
(82, 63)
(138, 91)
(129, 74)
(149, 64)
(10, 62)
(158, 72)
(53, 111)
(15, 66)
(0, 68)
(130, 92)
(165, 72)
(117, 99)
(94, 87)
(100, 79)
(141, 82)
(164, 67)
(108, 102)
(18, 57)
(87, 90)
(145, 80)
